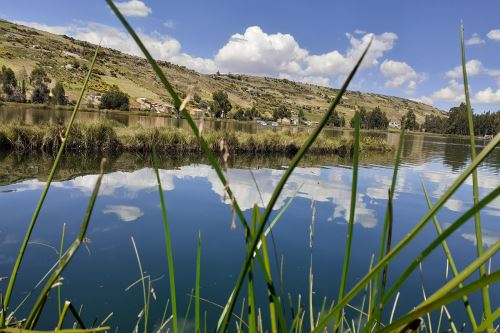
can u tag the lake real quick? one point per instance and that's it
(128, 206)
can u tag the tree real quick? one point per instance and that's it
(282, 112)
(377, 119)
(487, 123)
(239, 114)
(8, 81)
(39, 81)
(435, 124)
(197, 98)
(59, 95)
(363, 118)
(203, 104)
(336, 119)
(252, 113)
(115, 99)
(457, 120)
(301, 116)
(220, 105)
(23, 77)
(409, 121)
(23, 91)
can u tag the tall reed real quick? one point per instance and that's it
(475, 186)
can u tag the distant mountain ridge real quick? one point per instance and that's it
(66, 59)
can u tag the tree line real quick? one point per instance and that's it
(14, 90)
(487, 123)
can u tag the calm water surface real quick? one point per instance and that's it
(128, 206)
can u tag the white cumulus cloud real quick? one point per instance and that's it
(494, 34)
(487, 96)
(475, 39)
(169, 24)
(133, 8)
(454, 92)
(334, 63)
(400, 73)
(256, 52)
(474, 67)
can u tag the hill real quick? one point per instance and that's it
(66, 59)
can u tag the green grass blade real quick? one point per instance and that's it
(145, 291)
(187, 312)
(266, 267)
(62, 316)
(278, 216)
(270, 292)
(350, 226)
(388, 242)
(168, 243)
(38, 208)
(224, 318)
(475, 187)
(451, 261)
(435, 243)
(242, 313)
(383, 239)
(446, 294)
(66, 258)
(252, 322)
(488, 321)
(61, 247)
(411, 235)
(197, 289)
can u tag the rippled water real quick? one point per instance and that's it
(128, 206)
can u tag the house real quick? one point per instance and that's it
(142, 100)
(286, 121)
(94, 98)
(394, 124)
(162, 108)
(144, 103)
(197, 113)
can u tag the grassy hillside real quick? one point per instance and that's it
(66, 59)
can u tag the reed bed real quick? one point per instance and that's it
(283, 316)
(106, 136)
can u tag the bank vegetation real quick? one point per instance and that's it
(107, 136)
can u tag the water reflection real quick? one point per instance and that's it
(489, 237)
(124, 212)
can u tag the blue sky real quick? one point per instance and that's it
(415, 52)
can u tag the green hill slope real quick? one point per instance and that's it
(66, 59)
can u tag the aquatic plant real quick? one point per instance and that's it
(374, 283)
(109, 137)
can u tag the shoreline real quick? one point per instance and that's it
(163, 115)
(107, 136)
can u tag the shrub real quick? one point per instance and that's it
(115, 99)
